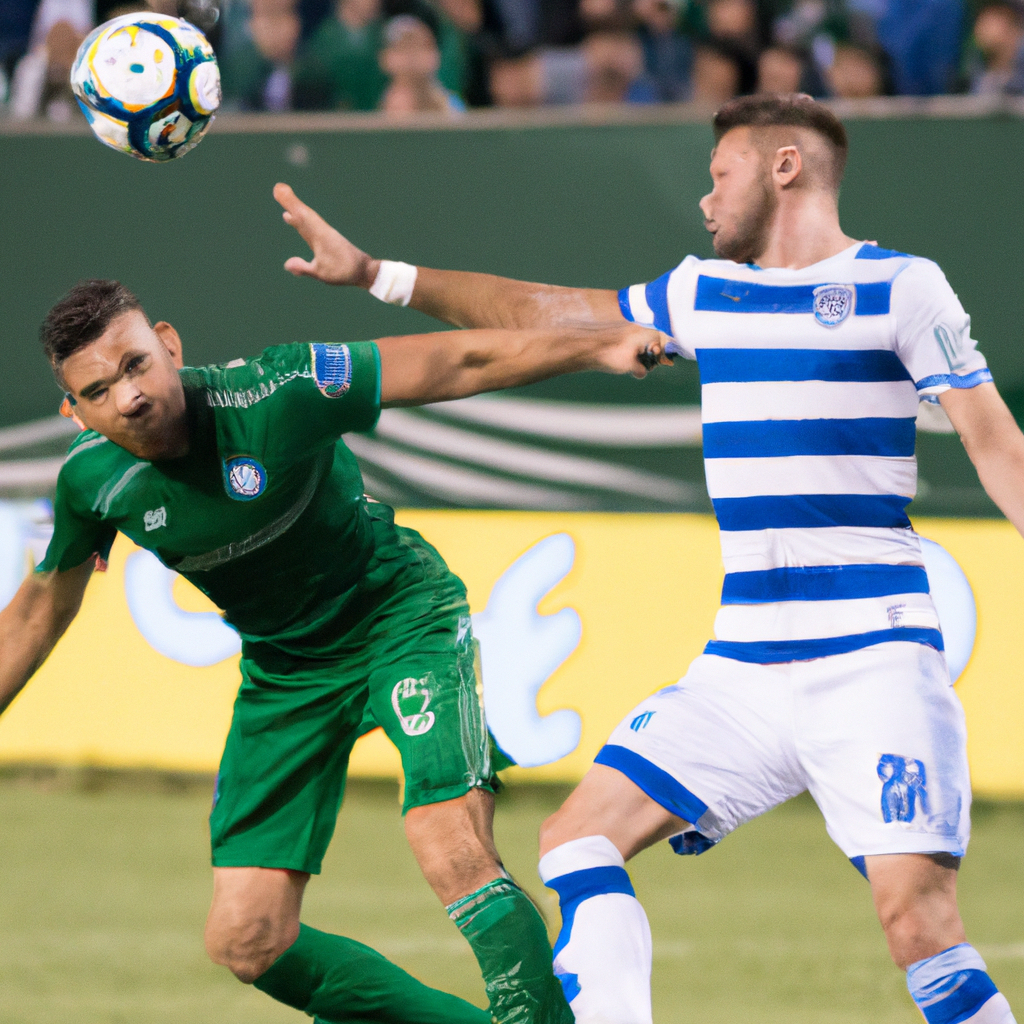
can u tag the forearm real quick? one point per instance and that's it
(1001, 473)
(30, 627)
(994, 443)
(455, 364)
(483, 300)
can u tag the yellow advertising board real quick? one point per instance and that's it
(580, 616)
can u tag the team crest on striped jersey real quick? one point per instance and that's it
(833, 303)
(332, 368)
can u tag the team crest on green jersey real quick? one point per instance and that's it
(332, 368)
(244, 478)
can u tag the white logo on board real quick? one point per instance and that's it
(155, 518)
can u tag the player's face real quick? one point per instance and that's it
(738, 210)
(126, 386)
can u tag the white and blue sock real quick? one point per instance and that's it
(953, 987)
(603, 952)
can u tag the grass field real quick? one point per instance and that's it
(104, 886)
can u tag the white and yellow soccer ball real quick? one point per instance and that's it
(148, 84)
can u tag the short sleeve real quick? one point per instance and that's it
(77, 535)
(933, 333)
(660, 304)
(323, 390)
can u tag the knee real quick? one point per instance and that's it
(550, 833)
(248, 946)
(915, 932)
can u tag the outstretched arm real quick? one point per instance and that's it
(455, 297)
(421, 368)
(994, 443)
(34, 621)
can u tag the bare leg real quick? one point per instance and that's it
(915, 895)
(254, 918)
(603, 953)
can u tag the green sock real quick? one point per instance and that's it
(341, 981)
(511, 945)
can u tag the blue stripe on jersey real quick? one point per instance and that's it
(823, 583)
(661, 787)
(757, 439)
(808, 511)
(748, 366)
(721, 295)
(872, 252)
(954, 380)
(627, 309)
(657, 298)
(770, 652)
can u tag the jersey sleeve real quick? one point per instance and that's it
(933, 333)
(77, 535)
(323, 390)
(661, 304)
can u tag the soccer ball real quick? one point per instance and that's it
(148, 84)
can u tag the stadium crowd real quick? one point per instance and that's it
(400, 56)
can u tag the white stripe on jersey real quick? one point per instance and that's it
(807, 400)
(758, 550)
(811, 474)
(810, 620)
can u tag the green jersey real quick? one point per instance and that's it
(266, 513)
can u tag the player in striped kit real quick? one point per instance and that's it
(826, 672)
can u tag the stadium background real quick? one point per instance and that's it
(612, 464)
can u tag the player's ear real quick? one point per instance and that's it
(171, 341)
(787, 165)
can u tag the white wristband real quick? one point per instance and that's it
(394, 283)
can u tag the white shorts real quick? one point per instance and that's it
(877, 736)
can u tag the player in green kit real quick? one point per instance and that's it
(234, 476)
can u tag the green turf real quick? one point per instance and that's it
(103, 891)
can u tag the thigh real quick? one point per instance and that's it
(715, 749)
(882, 739)
(282, 775)
(425, 692)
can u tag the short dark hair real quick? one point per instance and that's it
(82, 316)
(792, 110)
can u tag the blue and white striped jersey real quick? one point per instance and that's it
(810, 382)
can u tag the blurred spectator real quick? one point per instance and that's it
(15, 28)
(857, 72)
(40, 83)
(735, 21)
(721, 70)
(257, 74)
(339, 68)
(922, 39)
(668, 55)
(614, 66)
(411, 58)
(780, 69)
(999, 38)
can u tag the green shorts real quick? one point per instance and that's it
(412, 667)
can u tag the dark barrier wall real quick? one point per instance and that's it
(201, 240)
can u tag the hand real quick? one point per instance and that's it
(335, 259)
(634, 349)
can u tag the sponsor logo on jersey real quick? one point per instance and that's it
(155, 518)
(244, 478)
(833, 303)
(332, 368)
(410, 698)
(641, 721)
(903, 787)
